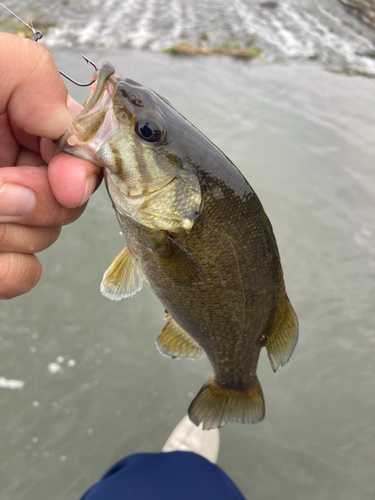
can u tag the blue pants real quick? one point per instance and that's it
(175, 475)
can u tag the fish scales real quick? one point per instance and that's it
(198, 234)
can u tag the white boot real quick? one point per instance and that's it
(188, 437)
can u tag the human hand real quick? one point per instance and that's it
(39, 193)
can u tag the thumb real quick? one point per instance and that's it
(31, 88)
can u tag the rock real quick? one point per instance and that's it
(363, 9)
(269, 5)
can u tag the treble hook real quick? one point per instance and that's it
(38, 35)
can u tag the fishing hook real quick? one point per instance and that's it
(77, 83)
(38, 35)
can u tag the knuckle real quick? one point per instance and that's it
(44, 238)
(19, 273)
(74, 214)
(57, 216)
(27, 239)
(3, 233)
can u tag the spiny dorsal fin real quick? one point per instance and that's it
(175, 342)
(122, 278)
(215, 405)
(284, 334)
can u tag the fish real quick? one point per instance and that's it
(197, 233)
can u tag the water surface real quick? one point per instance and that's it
(283, 30)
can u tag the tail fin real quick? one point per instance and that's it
(215, 405)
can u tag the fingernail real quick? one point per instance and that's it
(91, 182)
(16, 200)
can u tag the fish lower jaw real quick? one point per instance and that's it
(88, 150)
(85, 150)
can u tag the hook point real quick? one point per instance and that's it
(89, 62)
(81, 84)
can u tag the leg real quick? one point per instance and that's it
(176, 475)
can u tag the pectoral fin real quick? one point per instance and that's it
(122, 278)
(175, 342)
(284, 335)
(182, 264)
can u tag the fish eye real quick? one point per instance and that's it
(148, 130)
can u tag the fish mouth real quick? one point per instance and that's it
(94, 124)
(103, 82)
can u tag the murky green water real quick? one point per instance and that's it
(95, 387)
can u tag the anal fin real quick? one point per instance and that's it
(284, 334)
(122, 278)
(175, 342)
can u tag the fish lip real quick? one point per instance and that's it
(105, 80)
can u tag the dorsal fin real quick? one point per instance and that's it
(122, 278)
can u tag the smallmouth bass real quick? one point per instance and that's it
(197, 233)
